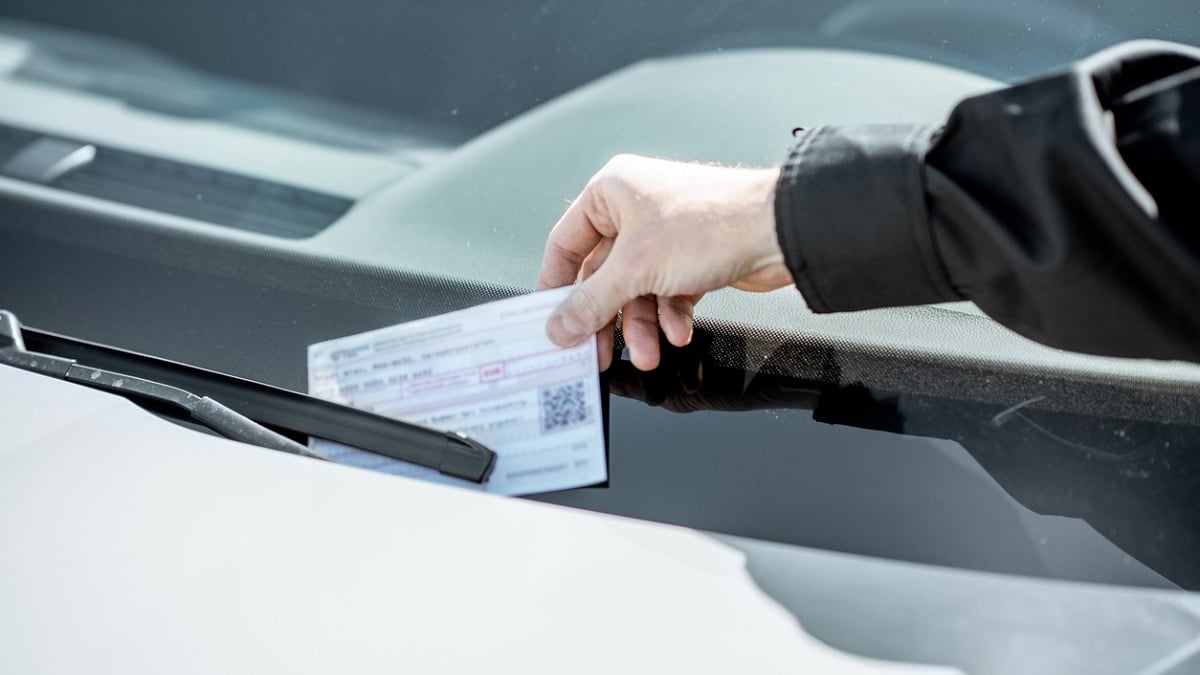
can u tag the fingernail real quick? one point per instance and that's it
(563, 331)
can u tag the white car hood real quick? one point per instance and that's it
(131, 545)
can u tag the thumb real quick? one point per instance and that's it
(592, 305)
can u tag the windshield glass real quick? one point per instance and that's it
(224, 183)
(468, 66)
(460, 68)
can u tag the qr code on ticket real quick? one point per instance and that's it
(564, 406)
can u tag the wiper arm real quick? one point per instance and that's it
(201, 409)
(245, 406)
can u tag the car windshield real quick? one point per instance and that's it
(461, 68)
(224, 183)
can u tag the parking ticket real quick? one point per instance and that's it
(489, 372)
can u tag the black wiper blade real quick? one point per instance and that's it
(260, 404)
(200, 409)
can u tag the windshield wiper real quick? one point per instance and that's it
(236, 407)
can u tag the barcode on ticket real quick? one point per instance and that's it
(564, 406)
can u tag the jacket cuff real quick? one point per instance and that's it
(851, 219)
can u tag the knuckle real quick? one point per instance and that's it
(591, 266)
(557, 250)
(606, 182)
(588, 307)
(646, 322)
(618, 171)
(619, 160)
(676, 303)
(593, 206)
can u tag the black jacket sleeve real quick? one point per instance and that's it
(1067, 207)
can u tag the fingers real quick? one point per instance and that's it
(604, 339)
(577, 249)
(591, 306)
(639, 326)
(675, 316)
(604, 345)
(572, 240)
(597, 258)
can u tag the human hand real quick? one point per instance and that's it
(649, 237)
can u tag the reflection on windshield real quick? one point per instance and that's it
(151, 81)
(1132, 480)
(460, 68)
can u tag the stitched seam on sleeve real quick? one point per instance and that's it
(808, 289)
(924, 241)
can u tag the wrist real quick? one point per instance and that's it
(765, 269)
(764, 219)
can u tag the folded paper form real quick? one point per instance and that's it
(489, 372)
